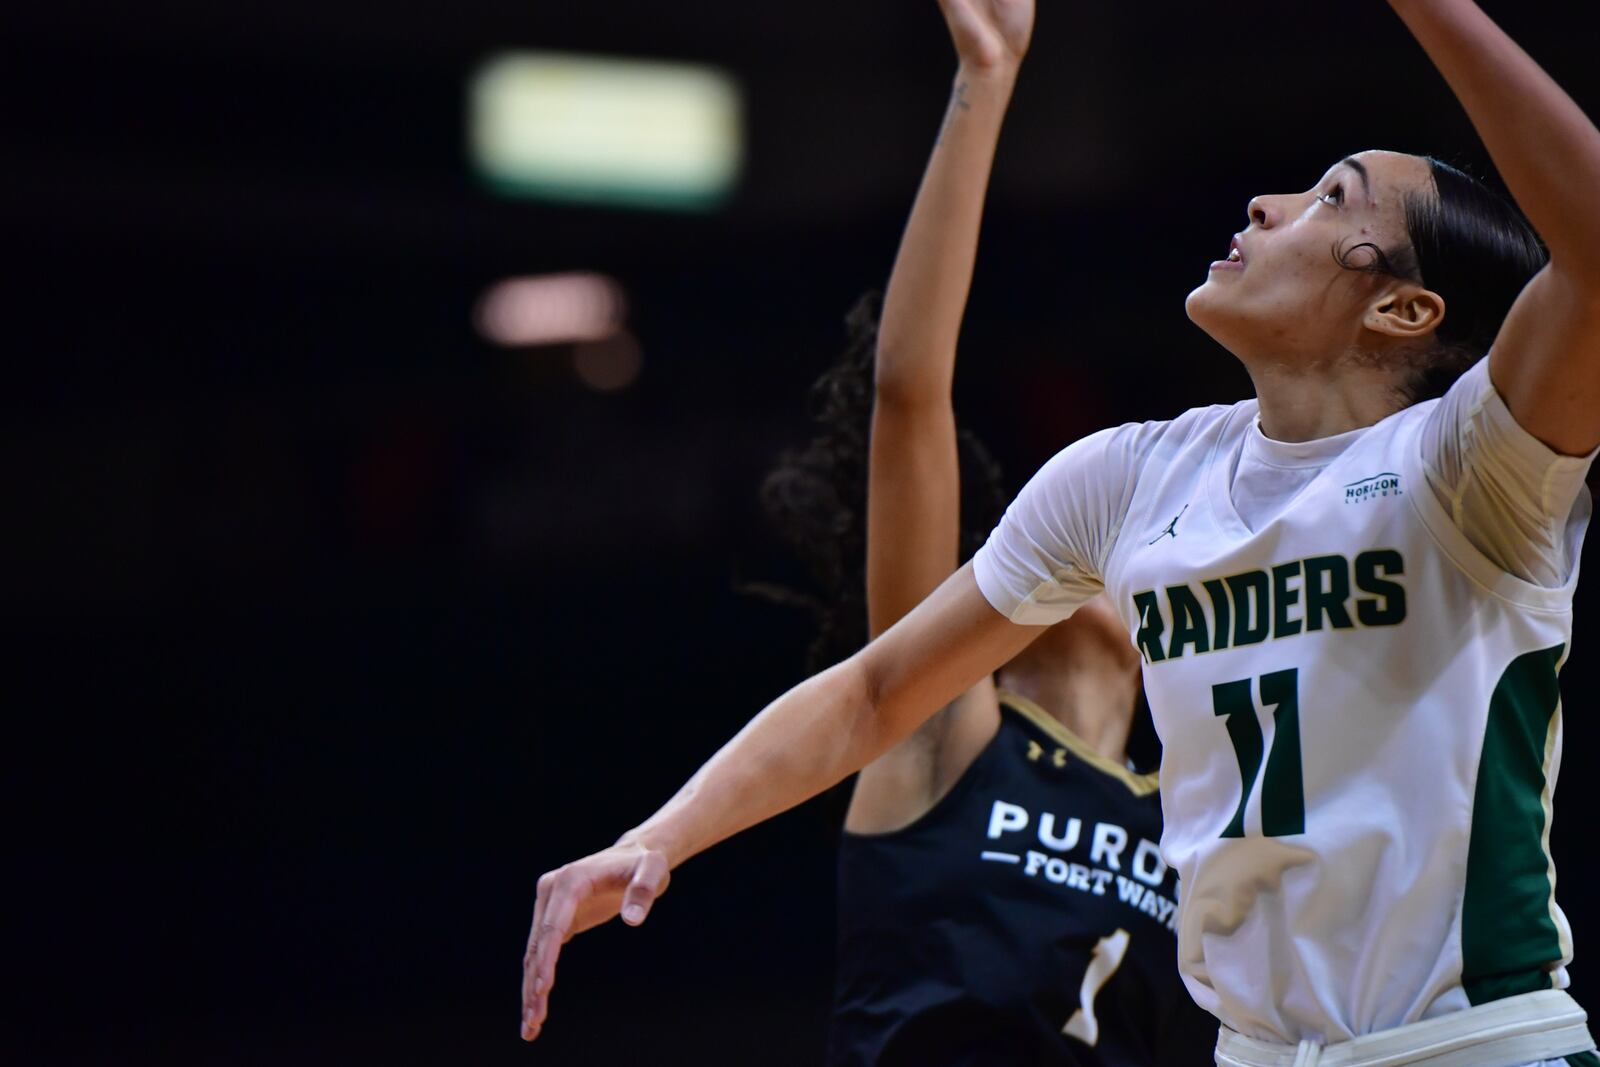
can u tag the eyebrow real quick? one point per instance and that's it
(1361, 169)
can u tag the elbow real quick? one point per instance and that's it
(1579, 275)
(1589, 295)
(907, 397)
(871, 689)
(909, 379)
(1569, 285)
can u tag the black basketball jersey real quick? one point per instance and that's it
(1026, 919)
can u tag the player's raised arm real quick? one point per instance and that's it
(805, 741)
(1546, 359)
(914, 494)
(913, 473)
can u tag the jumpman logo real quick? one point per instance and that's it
(1172, 527)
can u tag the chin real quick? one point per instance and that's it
(1210, 310)
(1201, 304)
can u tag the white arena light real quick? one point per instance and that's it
(600, 130)
(551, 309)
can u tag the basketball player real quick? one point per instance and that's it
(970, 913)
(982, 918)
(1001, 895)
(1352, 596)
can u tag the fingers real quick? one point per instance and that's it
(534, 1004)
(649, 880)
(551, 933)
(568, 888)
(586, 890)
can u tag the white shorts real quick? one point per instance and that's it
(1547, 1024)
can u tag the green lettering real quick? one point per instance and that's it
(1387, 606)
(1251, 594)
(1327, 598)
(1283, 598)
(1219, 611)
(1188, 622)
(1148, 607)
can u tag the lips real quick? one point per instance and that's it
(1235, 260)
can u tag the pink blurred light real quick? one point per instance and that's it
(551, 309)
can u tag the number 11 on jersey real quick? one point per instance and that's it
(1283, 796)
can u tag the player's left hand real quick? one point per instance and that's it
(990, 35)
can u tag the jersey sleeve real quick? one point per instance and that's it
(1509, 494)
(1047, 556)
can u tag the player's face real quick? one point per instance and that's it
(1280, 294)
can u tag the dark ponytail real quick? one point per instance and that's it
(1473, 248)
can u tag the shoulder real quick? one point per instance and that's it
(1140, 441)
(1160, 438)
(1122, 453)
(1049, 553)
(1084, 491)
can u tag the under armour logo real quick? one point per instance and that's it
(1172, 527)
(1035, 750)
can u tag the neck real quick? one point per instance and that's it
(1094, 700)
(1307, 402)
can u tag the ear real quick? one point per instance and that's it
(1409, 312)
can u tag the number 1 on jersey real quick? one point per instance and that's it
(1108, 953)
(1283, 797)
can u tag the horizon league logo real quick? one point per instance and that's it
(1385, 484)
(1107, 844)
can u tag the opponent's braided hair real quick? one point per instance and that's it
(816, 495)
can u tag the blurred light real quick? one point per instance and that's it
(610, 365)
(570, 127)
(551, 309)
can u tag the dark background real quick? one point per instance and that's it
(332, 626)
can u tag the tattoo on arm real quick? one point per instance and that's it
(958, 102)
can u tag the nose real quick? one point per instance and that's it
(1261, 213)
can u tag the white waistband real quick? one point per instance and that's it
(1517, 1030)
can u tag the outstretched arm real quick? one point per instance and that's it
(805, 741)
(913, 475)
(1546, 359)
(914, 494)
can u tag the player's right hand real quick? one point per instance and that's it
(624, 879)
(989, 35)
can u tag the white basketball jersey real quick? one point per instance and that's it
(1360, 719)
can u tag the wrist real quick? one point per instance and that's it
(651, 839)
(998, 78)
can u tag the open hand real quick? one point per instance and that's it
(989, 35)
(624, 879)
